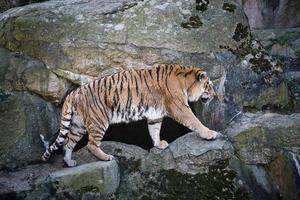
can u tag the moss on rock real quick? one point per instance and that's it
(193, 22)
(202, 5)
(241, 32)
(229, 7)
(217, 183)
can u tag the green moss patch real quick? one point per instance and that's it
(4, 95)
(193, 22)
(202, 5)
(229, 7)
(241, 32)
(217, 183)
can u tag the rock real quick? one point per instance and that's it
(82, 39)
(189, 154)
(46, 84)
(255, 179)
(23, 118)
(96, 177)
(251, 146)
(257, 137)
(190, 160)
(280, 42)
(93, 180)
(292, 78)
(18, 184)
(25, 73)
(265, 14)
(7, 4)
(120, 150)
(285, 177)
(272, 98)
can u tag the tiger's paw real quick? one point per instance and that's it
(109, 157)
(209, 135)
(71, 163)
(162, 144)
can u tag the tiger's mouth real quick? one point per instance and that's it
(204, 99)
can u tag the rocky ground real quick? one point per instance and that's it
(258, 158)
(49, 48)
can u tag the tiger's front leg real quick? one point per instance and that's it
(154, 131)
(186, 117)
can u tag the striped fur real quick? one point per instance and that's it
(163, 90)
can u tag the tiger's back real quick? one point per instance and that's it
(124, 97)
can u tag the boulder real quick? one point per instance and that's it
(94, 37)
(267, 132)
(284, 176)
(100, 178)
(23, 73)
(197, 165)
(189, 154)
(267, 150)
(23, 118)
(292, 78)
(264, 14)
(280, 42)
(92, 180)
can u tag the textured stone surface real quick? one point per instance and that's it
(280, 42)
(264, 14)
(189, 159)
(23, 118)
(90, 37)
(53, 180)
(257, 137)
(190, 154)
(19, 72)
(283, 174)
(292, 77)
(98, 177)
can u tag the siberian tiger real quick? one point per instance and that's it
(152, 93)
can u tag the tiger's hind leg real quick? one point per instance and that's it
(76, 133)
(154, 131)
(96, 133)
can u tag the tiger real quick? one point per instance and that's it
(130, 95)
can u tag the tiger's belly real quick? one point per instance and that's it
(135, 114)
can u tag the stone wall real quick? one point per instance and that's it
(266, 14)
(47, 49)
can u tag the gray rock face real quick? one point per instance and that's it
(292, 77)
(280, 42)
(7, 4)
(20, 141)
(91, 37)
(23, 73)
(97, 177)
(267, 145)
(273, 130)
(67, 43)
(264, 14)
(90, 180)
(189, 154)
(189, 160)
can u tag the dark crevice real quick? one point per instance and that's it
(136, 133)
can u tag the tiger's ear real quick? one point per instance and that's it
(202, 75)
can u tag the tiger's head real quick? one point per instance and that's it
(202, 88)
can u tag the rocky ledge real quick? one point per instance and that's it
(258, 160)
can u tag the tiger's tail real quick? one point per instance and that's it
(65, 124)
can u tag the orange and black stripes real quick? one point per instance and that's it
(122, 97)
